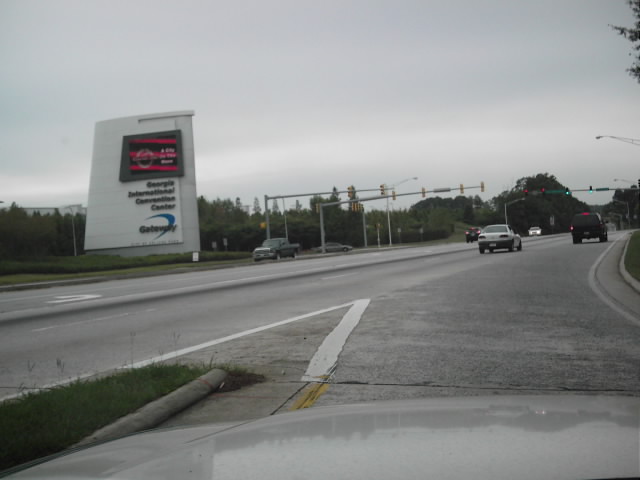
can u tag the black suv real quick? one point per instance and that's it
(588, 225)
(471, 234)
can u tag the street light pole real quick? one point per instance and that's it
(506, 221)
(632, 184)
(73, 230)
(393, 187)
(628, 212)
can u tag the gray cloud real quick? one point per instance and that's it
(295, 96)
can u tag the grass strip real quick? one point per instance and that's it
(47, 422)
(632, 259)
(101, 263)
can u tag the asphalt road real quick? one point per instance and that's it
(437, 320)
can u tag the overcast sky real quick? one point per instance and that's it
(299, 96)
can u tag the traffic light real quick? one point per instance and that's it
(590, 189)
(393, 194)
(542, 190)
(382, 192)
(424, 192)
(482, 186)
(526, 192)
(350, 192)
(567, 191)
(461, 188)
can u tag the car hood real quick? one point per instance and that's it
(522, 437)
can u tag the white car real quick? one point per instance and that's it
(495, 437)
(493, 237)
(535, 231)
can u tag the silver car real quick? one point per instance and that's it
(334, 247)
(493, 237)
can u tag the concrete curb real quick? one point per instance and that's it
(159, 410)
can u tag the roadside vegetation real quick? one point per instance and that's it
(50, 421)
(230, 230)
(632, 259)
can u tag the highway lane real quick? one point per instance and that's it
(64, 332)
(530, 323)
(137, 319)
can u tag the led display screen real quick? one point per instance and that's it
(151, 155)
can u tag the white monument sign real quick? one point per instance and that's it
(142, 192)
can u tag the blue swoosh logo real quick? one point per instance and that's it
(171, 221)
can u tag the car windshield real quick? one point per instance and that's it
(173, 173)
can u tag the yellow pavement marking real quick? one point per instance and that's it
(310, 395)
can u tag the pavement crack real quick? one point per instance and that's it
(514, 388)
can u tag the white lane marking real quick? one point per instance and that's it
(324, 362)
(234, 336)
(338, 276)
(93, 320)
(595, 286)
(74, 298)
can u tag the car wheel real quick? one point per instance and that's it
(345, 249)
(277, 255)
(481, 250)
(511, 246)
(491, 250)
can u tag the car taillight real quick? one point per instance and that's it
(571, 228)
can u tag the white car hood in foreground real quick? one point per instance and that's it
(502, 437)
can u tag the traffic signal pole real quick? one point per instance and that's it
(394, 195)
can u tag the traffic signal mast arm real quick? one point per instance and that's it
(378, 197)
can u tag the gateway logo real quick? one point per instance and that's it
(170, 227)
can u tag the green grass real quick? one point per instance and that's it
(101, 263)
(632, 259)
(50, 421)
(47, 422)
(13, 272)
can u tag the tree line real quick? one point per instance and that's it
(227, 225)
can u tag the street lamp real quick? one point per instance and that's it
(623, 180)
(393, 187)
(633, 141)
(505, 209)
(628, 212)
